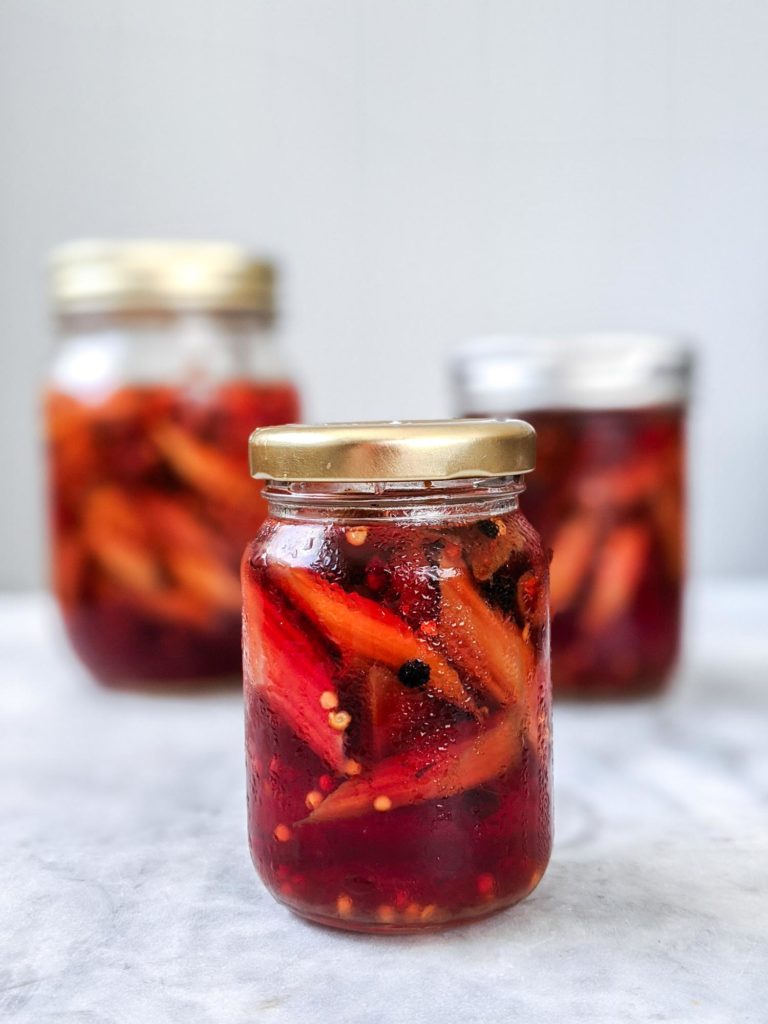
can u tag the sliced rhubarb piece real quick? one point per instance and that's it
(434, 771)
(393, 711)
(532, 599)
(359, 626)
(622, 486)
(539, 702)
(206, 578)
(573, 553)
(618, 574)
(69, 560)
(489, 545)
(113, 507)
(194, 555)
(114, 535)
(117, 535)
(72, 453)
(668, 518)
(64, 416)
(204, 468)
(385, 696)
(175, 524)
(295, 677)
(171, 604)
(478, 639)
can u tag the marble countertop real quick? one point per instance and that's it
(127, 895)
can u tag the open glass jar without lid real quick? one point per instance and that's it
(396, 636)
(607, 497)
(166, 359)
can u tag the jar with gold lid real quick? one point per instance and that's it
(395, 640)
(166, 357)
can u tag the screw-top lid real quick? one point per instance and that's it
(500, 375)
(143, 276)
(417, 450)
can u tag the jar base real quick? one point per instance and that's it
(465, 917)
(125, 651)
(647, 690)
(172, 687)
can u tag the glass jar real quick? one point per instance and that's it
(607, 497)
(166, 358)
(396, 638)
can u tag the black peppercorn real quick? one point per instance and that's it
(489, 528)
(414, 673)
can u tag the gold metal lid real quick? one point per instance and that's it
(416, 450)
(143, 276)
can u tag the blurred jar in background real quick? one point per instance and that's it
(166, 359)
(607, 496)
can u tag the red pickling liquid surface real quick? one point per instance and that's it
(429, 802)
(151, 507)
(608, 499)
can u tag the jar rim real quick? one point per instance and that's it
(599, 370)
(104, 275)
(393, 451)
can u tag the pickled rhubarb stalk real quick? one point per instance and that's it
(359, 626)
(383, 690)
(64, 417)
(476, 637)
(538, 697)
(619, 572)
(667, 513)
(439, 770)
(293, 676)
(203, 467)
(177, 526)
(622, 486)
(392, 709)
(573, 552)
(194, 554)
(151, 509)
(125, 561)
(207, 579)
(486, 553)
(111, 507)
(69, 560)
(531, 600)
(172, 604)
(114, 535)
(169, 604)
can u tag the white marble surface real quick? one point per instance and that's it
(127, 895)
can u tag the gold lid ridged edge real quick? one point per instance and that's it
(135, 276)
(380, 452)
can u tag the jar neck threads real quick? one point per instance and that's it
(417, 501)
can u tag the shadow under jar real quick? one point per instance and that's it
(166, 359)
(396, 650)
(607, 497)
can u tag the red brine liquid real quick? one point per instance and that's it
(397, 718)
(151, 508)
(608, 499)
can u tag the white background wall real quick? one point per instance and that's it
(425, 169)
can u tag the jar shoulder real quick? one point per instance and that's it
(374, 554)
(111, 354)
